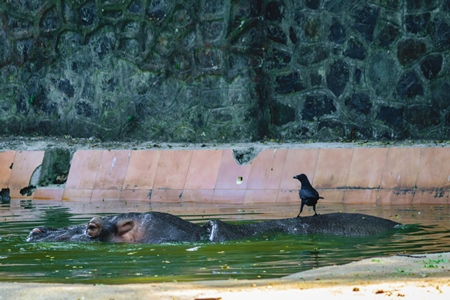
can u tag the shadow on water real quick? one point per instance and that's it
(270, 255)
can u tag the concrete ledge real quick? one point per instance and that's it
(399, 277)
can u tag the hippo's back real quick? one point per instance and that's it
(346, 224)
(162, 227)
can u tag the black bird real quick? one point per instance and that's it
(307, 193)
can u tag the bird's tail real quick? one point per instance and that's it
(321, 198)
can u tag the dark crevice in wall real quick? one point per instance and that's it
(55, 167)
(28, 191)
(4, 196)
(245, 156)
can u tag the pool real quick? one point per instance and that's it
(264, 256)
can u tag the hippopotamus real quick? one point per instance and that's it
(158, 227)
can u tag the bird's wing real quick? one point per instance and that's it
(308, 193)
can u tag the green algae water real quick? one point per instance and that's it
(263, 256)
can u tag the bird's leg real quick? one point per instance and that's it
(315, 212)
(301, 209)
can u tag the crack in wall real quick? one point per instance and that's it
(245, 156)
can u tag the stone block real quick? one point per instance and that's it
(337, 77)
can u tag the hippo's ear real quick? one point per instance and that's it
(37, 230)
(94, 226)
(124, 226)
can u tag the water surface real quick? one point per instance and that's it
(264, 256)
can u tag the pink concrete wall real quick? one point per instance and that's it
(341, 175)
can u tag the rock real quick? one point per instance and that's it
(409, 85)
(360, 102)
(317, 105)
(355, 50)
(418, 24)
(338, 77)
(410, 50)
(382, 73)
(365, 20)
(391, 116)
(290, 83)
(431, 66)
(337, 33)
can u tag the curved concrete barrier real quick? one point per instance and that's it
(395, 175)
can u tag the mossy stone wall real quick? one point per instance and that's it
(222, 70)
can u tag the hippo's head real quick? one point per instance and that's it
(150, 227)
(123, 229)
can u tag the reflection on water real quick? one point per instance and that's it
(265, 256)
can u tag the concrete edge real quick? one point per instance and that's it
(351, 283)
